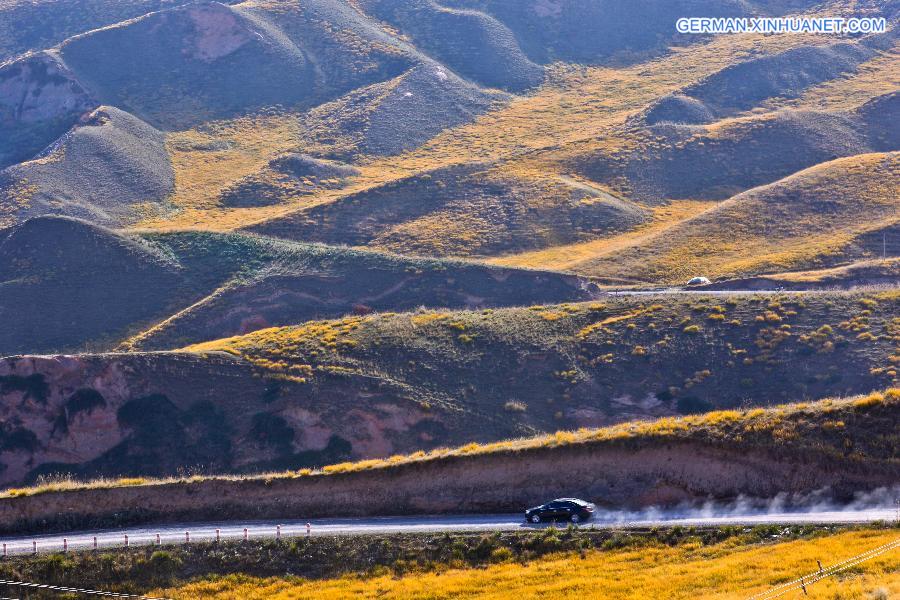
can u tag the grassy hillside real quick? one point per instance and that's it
(785, 75)
(733, 155)
(537, 142)
(375, 385)
(120, 159)
(186, 65)
(467, 210)
(580, 32)
(471, 42)
(828, 214)
(584, 363)
(66, 283)
(280, 283)
(397, 92)
(69, 285)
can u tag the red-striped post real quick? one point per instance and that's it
(217, 536)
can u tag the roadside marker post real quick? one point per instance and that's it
(95, 542)
(126, 540)
(217, 536)
(278, 532)
(158, 541)
(245, 534)
(308, 526)
(187, 537)
(65, 545)
(34, 546)
(4, 551)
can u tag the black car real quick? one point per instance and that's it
(561, 509)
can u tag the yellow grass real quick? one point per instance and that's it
(569, 256)
(876, 77)
(726, 571)
(578, 110)
(803, 220)
(247, 145)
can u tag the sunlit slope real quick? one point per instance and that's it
(828, 214)
(591, 363)
(472, 209)
(548, 120)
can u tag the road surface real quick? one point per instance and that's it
(234, 530)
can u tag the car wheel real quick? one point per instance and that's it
(535, 518)
(575, 518)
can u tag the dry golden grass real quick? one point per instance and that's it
(888, 267)
(725, 571)
(569, 256)
(578, 110)
(875, 77)
(802, 221)
(209, 158)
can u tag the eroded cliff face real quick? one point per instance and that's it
(57, 410)
(39, 87)
(162, 414)
(40, 99)
(218, 32)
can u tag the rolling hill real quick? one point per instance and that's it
(819, 217)
(69, 285)
(459, 128)
(249, 211)
(27, 25)
(120, 159)
(375, 385)
(471, 209)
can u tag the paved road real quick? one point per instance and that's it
(704, 292)
(234, 530)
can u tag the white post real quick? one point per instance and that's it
(95, 542)
(65, 545)
(278, 532)
(158, 542)
(307, 529)
(245, 534)
(4, 550)
(126, 540)
(34, 546)
(187, 537)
